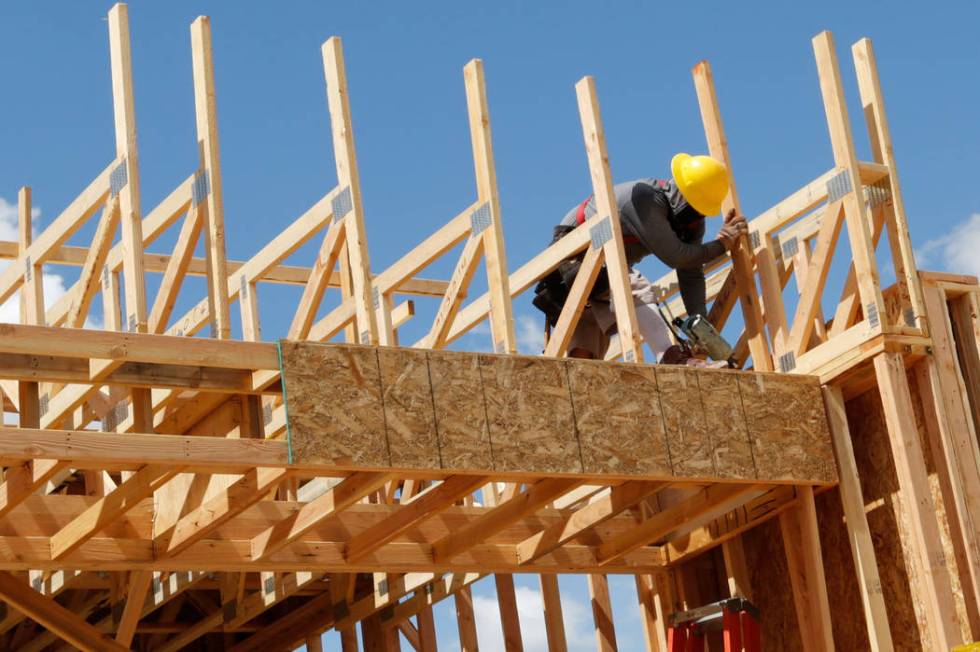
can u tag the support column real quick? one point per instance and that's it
(914, 493)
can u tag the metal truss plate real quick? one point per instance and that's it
(755, 240)
(105, 277)
(376, 297)
(365, 337)
(480, 219)
(43, 404)
(787, 362)
(266, 414)
(342, 204)
(383, 587)
(601, 233)
(118, 178)
(498, 347)
(242, 288)
(28, 269)
(909, 314)
(201, 187)
(628, 356)
(132, 324)
(878, 193)
(269, 586)
(871, 312)
(790, 247)
(839, 185)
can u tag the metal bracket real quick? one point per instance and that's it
(909, 314)
(201, 187)
(480, 219)
(871, 312)
(342, 204)
(879, 192)
(755, 240)
(839, 185)
(601, 233)
(790, 247)
(118, 178)
(787, 362)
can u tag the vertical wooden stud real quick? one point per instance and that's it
(607, 209)
(501, 312)
(742, 262)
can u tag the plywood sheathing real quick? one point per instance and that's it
(358, 406)
(889, 526)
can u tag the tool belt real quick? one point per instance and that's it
(551, 292)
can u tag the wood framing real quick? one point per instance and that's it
(166, 490)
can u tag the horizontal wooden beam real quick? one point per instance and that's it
(136, 347)
(73, 256)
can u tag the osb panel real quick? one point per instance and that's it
(725, 419)
(460, 414)
(788, 427)
(771, 590)
(688, 437)
(850, 633)
(529, 410)
(617, 415)
(335, 410)
(409, 416)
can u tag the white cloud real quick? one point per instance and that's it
(53, 284)
(957, 251)
(530, 334)
(579, 631)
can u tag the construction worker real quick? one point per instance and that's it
(660, 217)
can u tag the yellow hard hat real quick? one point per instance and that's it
(702, 180)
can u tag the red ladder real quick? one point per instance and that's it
(738, 619)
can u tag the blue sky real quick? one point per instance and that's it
(404, 62)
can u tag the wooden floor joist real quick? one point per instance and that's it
(166, 490)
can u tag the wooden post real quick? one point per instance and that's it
(916, 498)
(466, 621)
(32, 291)
(554, 623)
(742, 258)
(896, 221)
(349, 182)
(855, 212)
(858, 532)
(801, 541)
(606, 226)
(128, 173)
(498, 281)
(206, 115)
(605, 630)
(510, 620)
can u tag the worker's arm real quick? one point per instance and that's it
(646, 218)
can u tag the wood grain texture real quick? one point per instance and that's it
(687, 432)
(529, 410)
(460, 414)
(409, 416)
(724, 418)
(335, 409)
(618, 418)
(787, 423)
(378, 407)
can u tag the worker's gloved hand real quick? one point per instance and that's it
(735, 226)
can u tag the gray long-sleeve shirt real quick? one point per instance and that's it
(662, 223)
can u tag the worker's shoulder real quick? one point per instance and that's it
(647, 184)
